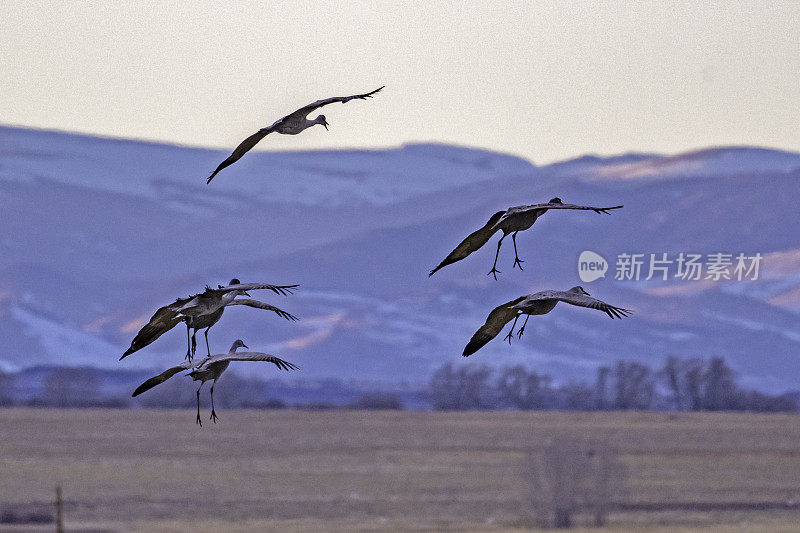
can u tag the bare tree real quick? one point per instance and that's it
(720, 391)
(693, 374)
(6, 389)
(460, 389)
(577, 396)
(571, 476)
(601, 388)
(524, 390)
(634, 386)
(672, 375)
(766, 403)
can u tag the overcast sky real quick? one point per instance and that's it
(544, 80)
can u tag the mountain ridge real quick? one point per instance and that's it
(87, 255)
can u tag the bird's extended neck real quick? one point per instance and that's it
(228, 297)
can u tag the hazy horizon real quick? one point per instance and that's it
(544, 82)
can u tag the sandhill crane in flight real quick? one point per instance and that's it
(512, 220)
(211, 368)
(205, 321)
(539, 303)
(291, 124)
(203, 311)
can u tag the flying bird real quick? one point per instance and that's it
(205, 321)
(203, 310)
(291, 124)
(512, 220)
(211, 368)
(539, 303)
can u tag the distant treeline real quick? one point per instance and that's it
(691, 384)
(86, 387)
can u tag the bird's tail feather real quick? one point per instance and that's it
(440, 265)
(476, 343)
(157, 380)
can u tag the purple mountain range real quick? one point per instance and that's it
(98, 233)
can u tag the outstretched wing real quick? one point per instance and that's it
(277, 289)
(250, 356)
(300, 114)
(473, 242)
(262, 305)
(240, 150)
(303, 112)
(161, 378)
(581, 300)
(495, 322)
(162, 321)
(531, 207)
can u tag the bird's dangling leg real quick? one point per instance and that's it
(194, 342)
(517, 260)
(522, 329)
(214, 416)
(511, 331)
(207, 348)
(188, 344)
(496, 255)
(198, 405)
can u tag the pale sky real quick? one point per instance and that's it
(543, 80)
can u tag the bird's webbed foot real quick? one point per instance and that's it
(200, 422)
(520, 332)
(517, 262)
(494, 272)
(509, 336)
(214, 416)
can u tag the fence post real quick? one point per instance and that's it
(59, 511)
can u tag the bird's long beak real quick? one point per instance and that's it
(245, 346)
(245, 293)
(326, 125)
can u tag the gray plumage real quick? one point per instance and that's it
(212, 368)
(473, 242)
(291, 124)
(539, 303)
(512, 220)
(201, 311)
(206, 321)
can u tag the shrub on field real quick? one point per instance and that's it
(22, 516)
(573, 478)
(6, 389)
(377, 402)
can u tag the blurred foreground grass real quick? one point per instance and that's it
(354, 470)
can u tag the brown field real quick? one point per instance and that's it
(387, 471)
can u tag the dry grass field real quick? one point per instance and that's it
(387, 471)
